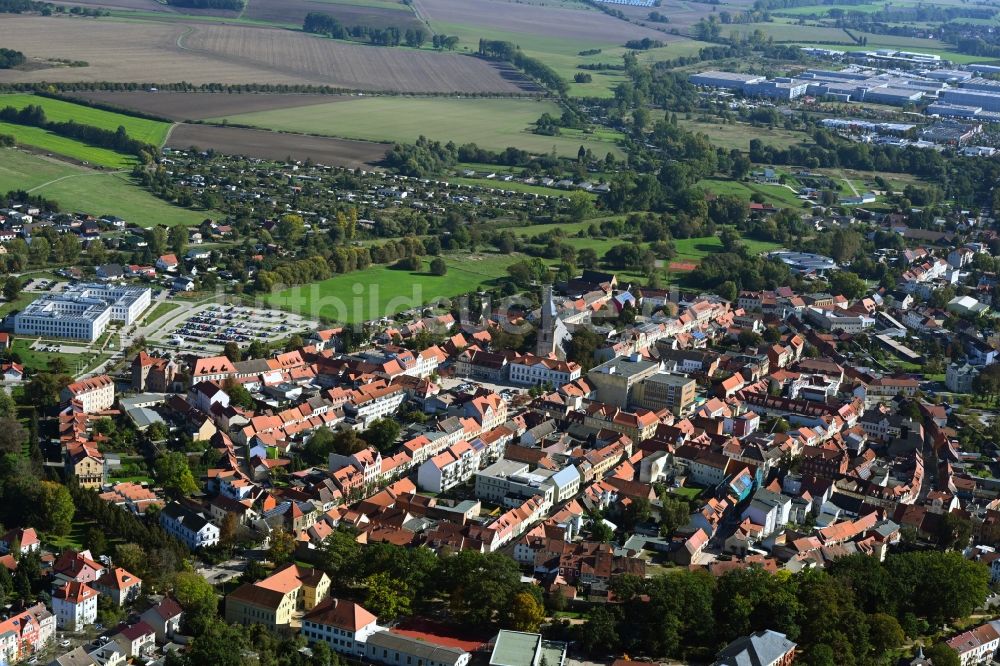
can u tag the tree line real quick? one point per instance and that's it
(428, 158)
(319, 23)
(33, 115)
(533, 67)
(22, 6)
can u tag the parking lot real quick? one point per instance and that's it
(44, 285)
(213, 325)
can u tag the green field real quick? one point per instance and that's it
(696, 249)
(149, 131)
(76, 188)
(35, 361)
(776, 195)
(381, 291)
(688, 249)
(787, 32)
(739, 135)
(22, 299)
(41, 139)
(490, 123)
(160, 310)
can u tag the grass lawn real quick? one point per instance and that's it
(76, 188)
(18, 303)
(381, 291)
(160, 310)
(150, 131)
(688, 493)
(490, 123)
(77, 150)
(74, 539)
(776, 195)
(696, 249)
(39, 360)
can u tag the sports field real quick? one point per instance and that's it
(490, 123)
(381, 291)
(86, 190)
(149, 131)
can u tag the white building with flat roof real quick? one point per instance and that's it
(83, 311)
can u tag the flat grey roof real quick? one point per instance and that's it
(515, 648)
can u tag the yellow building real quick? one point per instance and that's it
(86, 463)
(277, 601)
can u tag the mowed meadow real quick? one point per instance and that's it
(77, 188)
(494, 124)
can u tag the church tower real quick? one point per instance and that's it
(549, 339)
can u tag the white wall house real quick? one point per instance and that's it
(75, 606)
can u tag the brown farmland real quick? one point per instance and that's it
(589, 26)
(293, 12)
(275, 146)
(201, 105)
(161, 52)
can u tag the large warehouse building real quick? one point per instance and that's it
(988, 101)
(82, 312)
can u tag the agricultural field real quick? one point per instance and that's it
(352, 66)
(149, 131)
(381, 291)
(77, 188)
(159, 51)
(580, 23)
(490, 123)
(789, 32)
(682, 14)
(181, 106)
(268, 145)
(293, 12)
(554, 32)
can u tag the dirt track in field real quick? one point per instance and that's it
(277, 146)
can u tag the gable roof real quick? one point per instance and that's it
(340, 614)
